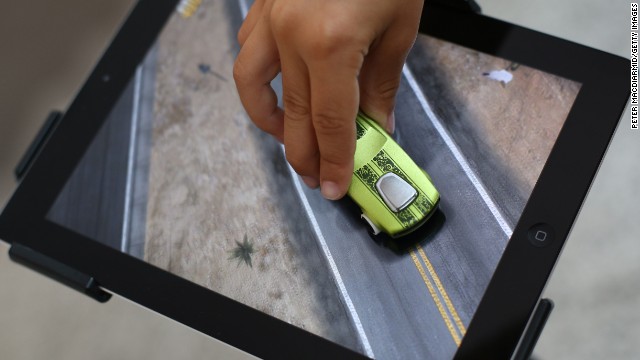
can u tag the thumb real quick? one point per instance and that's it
(380, 78)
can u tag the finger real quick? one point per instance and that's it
(256, 65)
(334, 104)
(254, 13)
(300, 143)
(381, 73)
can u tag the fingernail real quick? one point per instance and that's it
(391, 122)
(311, 181)
(330, 190)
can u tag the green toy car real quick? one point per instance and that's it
(395, 195)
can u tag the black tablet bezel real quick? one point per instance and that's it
(519, 278)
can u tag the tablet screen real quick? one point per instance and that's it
(180, 178)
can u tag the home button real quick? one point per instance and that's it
(540, 235)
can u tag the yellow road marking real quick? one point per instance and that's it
(436, 299)
(447, 301)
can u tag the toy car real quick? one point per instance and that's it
(395, 195)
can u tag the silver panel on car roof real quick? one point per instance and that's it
(395, 192)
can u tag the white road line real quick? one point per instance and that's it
(364, 341)
(124, 242)
(456, 152)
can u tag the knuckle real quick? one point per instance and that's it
(329, 121)
(295, 106)
(385, 90)
(241, 74)
(284, 19)
(336, 159)
(331, 37)
(333, 158)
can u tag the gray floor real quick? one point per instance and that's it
(49, 47)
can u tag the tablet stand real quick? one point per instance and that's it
(36, 145)
(533, 330)
(58, 271)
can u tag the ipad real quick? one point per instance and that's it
(156, 186)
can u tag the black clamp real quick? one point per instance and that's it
(38, 142)
(533, 330)
(58, 271)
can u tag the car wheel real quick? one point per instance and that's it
(373, 229)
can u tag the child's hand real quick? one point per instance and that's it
(335, 56)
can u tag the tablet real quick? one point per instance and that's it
(155, 186)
